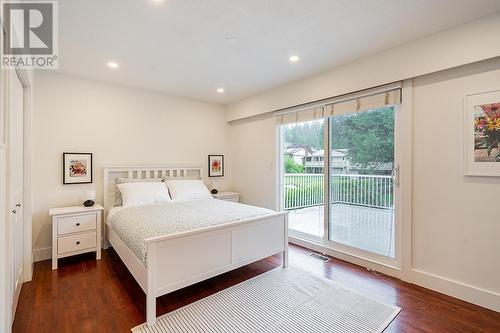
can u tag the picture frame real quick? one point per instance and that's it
(77, 168)
(215, 165)
(482, 134)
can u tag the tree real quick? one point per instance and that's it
(308, 133)
(368, 136)
(291, 166)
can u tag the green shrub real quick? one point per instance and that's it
(292, 167)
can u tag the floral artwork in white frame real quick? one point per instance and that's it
(482, 134)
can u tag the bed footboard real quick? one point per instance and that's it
(179, 260)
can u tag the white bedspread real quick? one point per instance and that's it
(135, 224)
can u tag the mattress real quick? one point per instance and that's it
(136, 224)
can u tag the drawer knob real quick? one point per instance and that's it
(78, 224)
(78, 243)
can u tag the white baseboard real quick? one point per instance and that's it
(43, 253)
(472, 294)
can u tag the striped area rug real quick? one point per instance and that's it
(282, 300)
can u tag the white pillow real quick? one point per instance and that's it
(120, 180)
(146, 193)
(187, 189)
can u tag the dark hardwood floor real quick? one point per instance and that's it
(88, 296)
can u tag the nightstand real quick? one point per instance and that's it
(227, 196)
(75, 230)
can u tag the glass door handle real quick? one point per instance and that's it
(395, 175)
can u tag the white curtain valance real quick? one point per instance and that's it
(364, 103)
(300, 116)
(357, 102)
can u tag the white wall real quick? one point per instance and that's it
(456, 225)
(120, 126)
(467, 43)
(455, 222)
(254, 158)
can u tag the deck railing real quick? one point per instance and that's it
(306, 190)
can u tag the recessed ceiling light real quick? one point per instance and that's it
(294, 58)
(220, 90)
(112, 64)
(156, 1)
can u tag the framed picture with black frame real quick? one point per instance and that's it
(215, 165)
(77, 168)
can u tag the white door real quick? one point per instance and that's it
(15, 186)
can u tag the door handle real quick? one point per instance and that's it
(395, 175)
(18, 204)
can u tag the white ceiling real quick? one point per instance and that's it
(180, 47)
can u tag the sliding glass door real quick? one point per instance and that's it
(339, 174)
(361, 206)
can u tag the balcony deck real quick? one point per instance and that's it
(368, 228)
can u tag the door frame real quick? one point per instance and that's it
(6, 312)
(27, 81)
(400, 266)
(16, 277)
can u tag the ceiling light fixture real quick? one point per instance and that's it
(220, 90)
(294, 58)
(112, 64)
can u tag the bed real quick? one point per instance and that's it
(171, 259)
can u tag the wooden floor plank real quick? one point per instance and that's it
(85, 295)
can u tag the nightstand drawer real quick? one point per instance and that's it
(76, 242)
(70, 224)
(231, 199)
(228, 196)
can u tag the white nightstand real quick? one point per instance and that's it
(75, 230)
(227, 196)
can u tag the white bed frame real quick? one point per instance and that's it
(178, 260)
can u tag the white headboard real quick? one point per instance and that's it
(140, 172)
